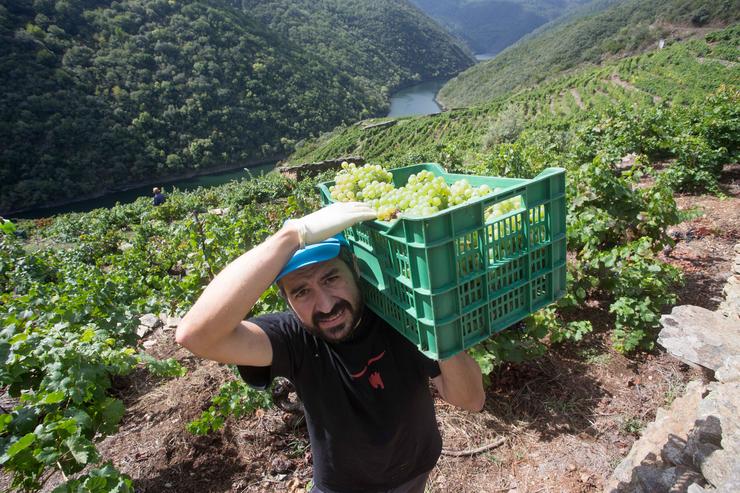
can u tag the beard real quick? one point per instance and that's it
(340, 332)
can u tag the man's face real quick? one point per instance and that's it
(326, 299)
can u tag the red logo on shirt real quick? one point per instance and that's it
(374, 378)
(376, 381)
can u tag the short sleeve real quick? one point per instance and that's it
(288, 341)
(430, 366)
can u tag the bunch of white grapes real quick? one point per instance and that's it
(423, 195)
(504, 207)
(363, 183)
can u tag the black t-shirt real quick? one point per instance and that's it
(369, 411)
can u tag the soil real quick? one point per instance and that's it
(563, 421)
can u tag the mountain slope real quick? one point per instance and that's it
(489, 26)
(679, 76)
(100, 94)
(383, 43)
(627, 27)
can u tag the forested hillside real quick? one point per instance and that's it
(383, 44)
(674, 78)
(628, 27)
(489, 26)
(99, 94)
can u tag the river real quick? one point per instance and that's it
(418, 99)
(414, 100)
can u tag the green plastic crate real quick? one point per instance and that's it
(451, 280)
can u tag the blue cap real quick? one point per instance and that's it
(313, 254)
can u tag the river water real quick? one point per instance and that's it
(414, 100)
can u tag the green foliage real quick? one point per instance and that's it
(163, 368)
(518, 343)
(69, 315)
(234, 398)
(584, 37)
(7, 227)
(382, 44)
(707, 143)
(100, 95)
(104, 479)
(641, 286)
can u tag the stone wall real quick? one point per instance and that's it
(301, 171)
(694, 446)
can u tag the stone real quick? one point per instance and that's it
(683, 477)
(148, 344)
(150, 320)
(730, 307)
(301, 171)
(720, 464)
(695, 488)
(147, 324)
(696, 335)
(729, 372)
(676, 424)
(654, 479)
(673, 452)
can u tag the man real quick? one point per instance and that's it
(365, 388)
(159, 197)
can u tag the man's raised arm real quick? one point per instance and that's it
(214, 328)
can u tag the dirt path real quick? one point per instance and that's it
(577, 97)
(726, 63)
(626, 85)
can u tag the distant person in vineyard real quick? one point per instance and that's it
(364, 386)
(159, 197)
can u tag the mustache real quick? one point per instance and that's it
(338, 307)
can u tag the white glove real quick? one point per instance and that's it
(330, 220)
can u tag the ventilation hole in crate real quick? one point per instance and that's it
(362, 236)
(400, 293)
(539, 220)
(538, 260)
(400, 260)
(469, 255)
(380, 249)
(506, 274)
(410, 328)
(541, 288)
(470, 292)
(474, 322)
(505, 238)
(508, 303)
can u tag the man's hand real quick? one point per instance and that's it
(330, 220)
(461, 382)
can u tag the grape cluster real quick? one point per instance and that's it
(364, 183)
(504, 207)
(423, 195)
